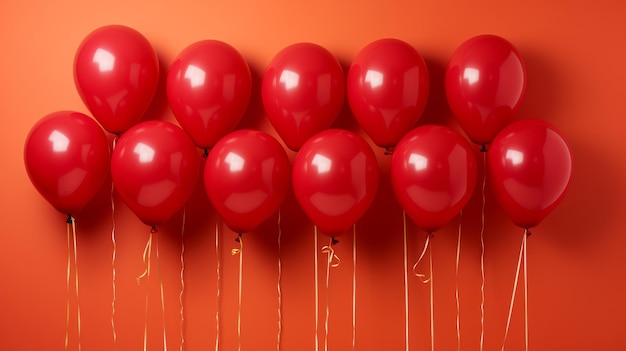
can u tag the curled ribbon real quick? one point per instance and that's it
(422, 277)
(237, 250)
(333, 259)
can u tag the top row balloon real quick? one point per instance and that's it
(209, 86)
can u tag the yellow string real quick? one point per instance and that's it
(218, 297)
(432, 302)
(317, 291)
(332, 262)
(482, 256)
(456, 290)
(519, 262)
(279, 289)
(162, 294)
(113, 257)
(353, 286)
(182, 282)
(526, 234)
(147, 252)
(422, 277)
(76, 280)
(69, 261)
(406, 285)
(239, 251)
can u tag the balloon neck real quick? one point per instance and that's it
(527, 232)
(430, 235)
(153, 230)
(69, 219)
(239, 236)
(389, 150)
(483, 148)
(334, 241)
(205, 154)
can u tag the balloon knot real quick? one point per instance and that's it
(527, 232)
(483, 148)
(334, 241)
(389, 150)
(238, 238)
(430, 235)
(69, 219)
(205, 154)
(153, 230)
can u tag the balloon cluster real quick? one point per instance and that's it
(155, 165)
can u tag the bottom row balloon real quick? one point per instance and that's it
(155, 168)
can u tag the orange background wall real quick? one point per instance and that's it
(575, 54)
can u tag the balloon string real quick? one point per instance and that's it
(239, 251)
(406, 285)
(147, 252)
(76, 279)
(422, 277)
(162, 294)
(432, 302)
(182, 282)
(353, 286)
(218, 297)
(69, 262)
(519, 262)
(482, 254)
(317, 291)
(526, 234)
(456, 288)
(113, 258)
(332, 262)
(279, 289)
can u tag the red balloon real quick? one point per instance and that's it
(433, 174)
(485, 83)
(155, 168)
(208, 89)
(530, 167)
(67, 159)
(303, 92)
(116, 72)
(388, 88)
(246, 177)
(335, 179)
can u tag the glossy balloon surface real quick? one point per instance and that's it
(530, 168)
(335, 179)
(67, 159)
(485, 83)
(208, 88)
(388, 85)
(303, 91)
(247, 177)
(433, 173)
(155, 168)
(116, 72)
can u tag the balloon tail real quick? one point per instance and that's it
(406, 284)
(482, 252)
(279, 289)
(239, 251)
(456, 287)
(182, 282)
(218, 297)
(517, 271)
